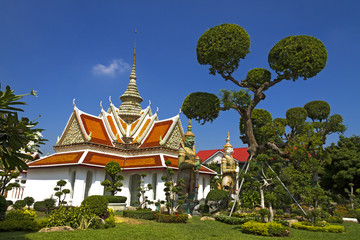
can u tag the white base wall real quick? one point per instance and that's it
(86, 181)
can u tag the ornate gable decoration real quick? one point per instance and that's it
(72, 133)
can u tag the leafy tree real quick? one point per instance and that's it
(114, 184)
(29, 201)
(143, 200)
(344, 167)
(60, 192)
(223, 46)
(18, 137)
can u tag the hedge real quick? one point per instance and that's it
(116, 199)
(265, 229)
(217, 195)
(21, 225)
(175, 218)
(326, 228)
(144, 214)
(233, 220)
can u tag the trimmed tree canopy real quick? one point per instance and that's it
(317, 110)
(222, 47)
(296, 116)
(201, 106)
(298, 56)
(257, 76)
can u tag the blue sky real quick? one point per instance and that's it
(83, 49)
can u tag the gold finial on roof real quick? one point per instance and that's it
(227, 145)
(189, 128)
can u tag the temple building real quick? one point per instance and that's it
(132, 136)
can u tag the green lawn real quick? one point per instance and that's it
(194, 229)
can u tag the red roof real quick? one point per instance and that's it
(240, 154)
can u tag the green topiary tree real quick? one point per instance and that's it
(223, 46)
(143, 200)
(114, 184)
(19, 204)
(95, 205)
(29, 201)
(60, 192)
(174, 196)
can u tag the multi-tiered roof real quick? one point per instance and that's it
(133, 136)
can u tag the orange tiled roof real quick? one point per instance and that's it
(96, 126)
(101, 159)
(159, 130)
(56, 159)
(113, 128)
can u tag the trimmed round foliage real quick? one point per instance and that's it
(45, 206)
(296, 116)
(217, 195)
(95, 205)
(298, 56)
(175, 218)
(116, 199)
(257, 76)
(201, 106)
(222, 47)
(317, 110)
(29, 201)
(3, 207)
(19, 204)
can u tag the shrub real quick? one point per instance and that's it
(20, 214)
(9, 202)
(244, 215)
(279, 211)
(233, 220)
(74, 217)
(95, 205)
(265, 229)
(19, 204)
(139, 214)
(277, 229)
(116, 199)
(175, 218)
(45, 206)
(3, 207)
(20, 225)
(326, 228)
(29, 201)
(256, 228)
(334, 219)
(217, 195)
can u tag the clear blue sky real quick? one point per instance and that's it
(83, 49)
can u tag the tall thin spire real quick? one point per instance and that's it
(130, 108)
(133, 73)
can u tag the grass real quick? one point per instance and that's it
(194, 229)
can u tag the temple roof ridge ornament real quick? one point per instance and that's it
(130, 108)
(227, 144)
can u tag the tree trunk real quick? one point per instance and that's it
(262, 198)
(271, 211)
(249, 131)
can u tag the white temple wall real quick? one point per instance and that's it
(40, 183)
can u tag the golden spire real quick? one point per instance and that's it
(189, 128)
(130, 108)
(227, 145)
